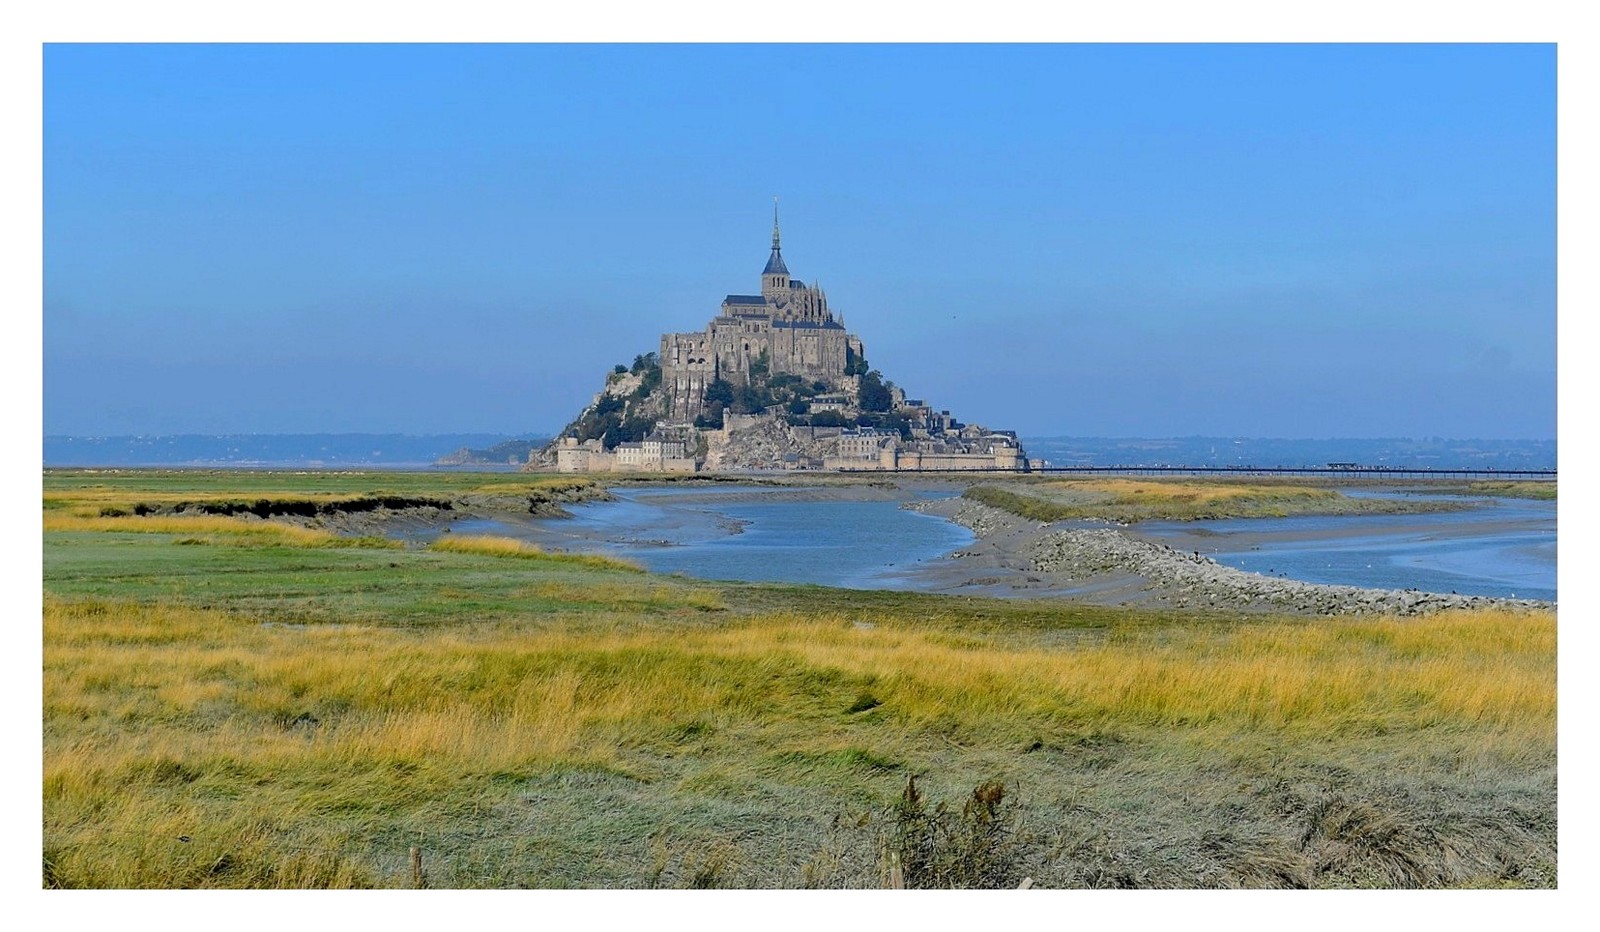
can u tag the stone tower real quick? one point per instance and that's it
(775, 277)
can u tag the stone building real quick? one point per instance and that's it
(789, 327)
(652, 454)
(865, 443)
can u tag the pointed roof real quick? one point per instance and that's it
(775, 264)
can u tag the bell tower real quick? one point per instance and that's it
(775, 277)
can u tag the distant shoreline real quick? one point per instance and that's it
(423, 451)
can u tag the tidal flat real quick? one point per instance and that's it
(232, 701)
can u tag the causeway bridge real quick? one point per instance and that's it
(1337, 471)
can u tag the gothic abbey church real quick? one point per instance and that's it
(788, 325)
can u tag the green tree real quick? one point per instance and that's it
(711, 419)
(752, 398)
(875, 394)
(720, 392)
(853, 364)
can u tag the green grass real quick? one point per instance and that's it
(1540, 491)
(303, 715)
(1129, 500)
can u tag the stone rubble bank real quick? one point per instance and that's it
(1183, 579)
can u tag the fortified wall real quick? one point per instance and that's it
(648, 455)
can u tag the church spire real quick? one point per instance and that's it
(775, 267)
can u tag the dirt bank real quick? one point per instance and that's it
(393, 515)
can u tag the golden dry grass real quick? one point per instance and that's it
(270, 741)
(1142, 491)
(1126, 499)
(489, 545)
(1482, 669)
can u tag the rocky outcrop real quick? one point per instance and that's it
(764, 445)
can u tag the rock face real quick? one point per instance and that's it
(1186, 579)
(765, 444)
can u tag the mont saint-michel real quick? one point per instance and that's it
(774, 381)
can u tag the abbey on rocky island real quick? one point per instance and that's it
(774, 381)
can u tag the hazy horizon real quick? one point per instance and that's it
(551, 432)
(403, 451)
(1136, 241)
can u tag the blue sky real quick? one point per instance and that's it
(1112, 240)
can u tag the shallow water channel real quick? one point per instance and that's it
(1500, 547)
(755, 533)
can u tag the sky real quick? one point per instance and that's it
(1092, 240)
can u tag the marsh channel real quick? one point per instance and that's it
(864, 537)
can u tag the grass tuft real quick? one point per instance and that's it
(491, 546)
